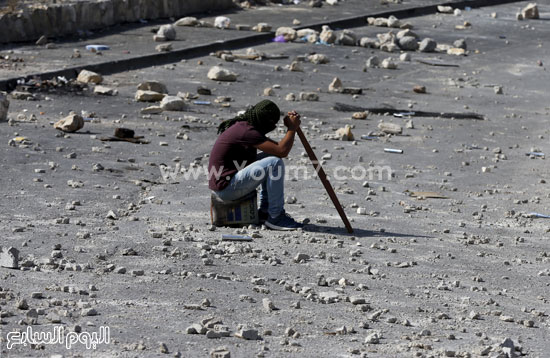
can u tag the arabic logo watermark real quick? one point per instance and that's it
(58, 336)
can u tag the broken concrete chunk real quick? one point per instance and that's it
(461, 43)
(248, 334)
(344, 134)
(388, 64)
(408, 43)
(155, 86)
(372, 62)
(327, 35)
(390, 128)
(4, 106)
(167, 47)
(369, 42)
(86, 76)
(309, 96)
(295, 66)
(151, 110)
(42, 41)
(456, 51)
(318, 59)
(217, 73)
(445, 9)
(262, 27)
(166, 33)
(336, 85)
(347, 38)
(187, 21)
(71, 123)
(268, 305)
(427, 45)
(148, 96)
(9, 257)
(531, 11)
(105, 91)
(172, 103)
(287, 32)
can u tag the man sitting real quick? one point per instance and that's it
(239, 170)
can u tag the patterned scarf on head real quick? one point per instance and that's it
(263, 117)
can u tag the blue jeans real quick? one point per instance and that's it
(267, 171)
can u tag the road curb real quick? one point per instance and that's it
(155, 59)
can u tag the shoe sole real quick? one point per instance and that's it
(280, 228)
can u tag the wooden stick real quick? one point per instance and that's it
(324, 180)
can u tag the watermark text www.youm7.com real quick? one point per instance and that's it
(292, 172)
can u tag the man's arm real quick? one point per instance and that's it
(281, 149)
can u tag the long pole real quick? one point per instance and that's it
(324, 180)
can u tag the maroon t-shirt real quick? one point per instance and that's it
(233, 149)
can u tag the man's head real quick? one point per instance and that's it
(263, 116)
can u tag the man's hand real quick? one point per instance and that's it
(292, 120)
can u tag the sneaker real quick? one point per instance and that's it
(283, 222)
(262, 216)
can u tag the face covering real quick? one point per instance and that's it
(263, 117)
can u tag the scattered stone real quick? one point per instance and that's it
(318, 59)
(262, 27)
(408, 43)
(220, 352)
(86, 76)
(347, 38)
(22, 304)
(217, 73)
(71, 123)
(328, 296)
(165, 33)
(388, 64)
(361, 211)
(498, 90)
(295, 66)
(445, 9)
(531, 11)
(148, 96)
(344, 134)
(372, 62)
(301, 258)
(164, 47)
(9, 257)
(288, 33)
(154, 86)
(42, 41)
(327, 35)
(105, 91)
(248, 334)
(456, 51)
(368, 42)
(373, 338)
(336, 86)
(268, 305)
(360, 115)
(187, 21)
(172, 103)
(427, 45)
(151, 110)
(22, 95)
(390, 128)
(461, 43)
(163, 348)
(222, 22)
(419, 89)
(309, 96)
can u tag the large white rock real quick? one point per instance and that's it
(336, 86)
(4, 105)
(390, 128)
(86, 76)
(172, 103)
(287, 32)
(166, 33)
(106, 91)
(218, 73)
(327, 35)
(71, 123)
